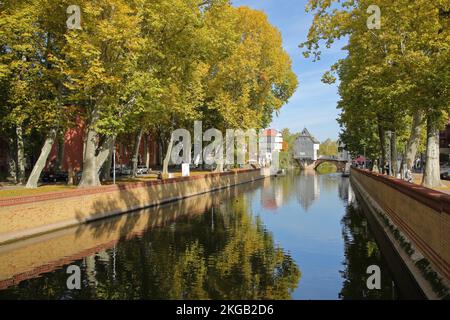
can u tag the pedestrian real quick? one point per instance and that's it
(375, 167)
(408, 175)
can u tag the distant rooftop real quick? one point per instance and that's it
(270, 133)
(305, 133)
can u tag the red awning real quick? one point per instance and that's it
(360, 159)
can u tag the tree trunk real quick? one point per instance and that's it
(414, 139)
(382, 137)
(167, 158)
(104, 152)
(161, 147)
(90, 176)
(146, 153)
(94, 157)
(70, 176)
(85, 137)
(394, 153)
(12, 163)
(432, 175)
(219, 164)
(219, 167)
(160, 150)
(42, 160)
(106, 171)
(136, 152)
(402, 167)
(20, 156)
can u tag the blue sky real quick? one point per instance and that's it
(314, 104)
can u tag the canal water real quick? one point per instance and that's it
(302, 236)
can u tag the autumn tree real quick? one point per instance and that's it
(131, 67)
(396, 70)
(252, 78)
(100, 63)
(174, 47)
(31, 84)
(235, 75)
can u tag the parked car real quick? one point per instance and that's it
(48, 177)
(52, 177)
(118, 173)
(125, 171)
(445, 175)
(142, 169)
(62, 176)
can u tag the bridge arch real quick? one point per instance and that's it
(308, 164)
(340, 165)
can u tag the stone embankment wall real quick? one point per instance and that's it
(22, 217)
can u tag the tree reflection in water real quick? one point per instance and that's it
(361, 251)
(224, 254)
(216, 246)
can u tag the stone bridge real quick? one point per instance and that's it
(313, 165)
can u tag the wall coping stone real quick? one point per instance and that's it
(434, 199)
(14, 201)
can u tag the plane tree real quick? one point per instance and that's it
(31, 84)
(406, 55)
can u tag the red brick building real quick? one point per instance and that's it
(444, 143)
(72, 151)
(67, 154)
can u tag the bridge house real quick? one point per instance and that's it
(306, 147)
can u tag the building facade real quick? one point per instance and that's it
(306, 147)
(444, 143)
(67, 153)
(343, 154)
(270, 140)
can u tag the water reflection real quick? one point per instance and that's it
(362, 251)
(345, 191)
(277, 192)
(309, 188)
(224, 253)
(329, 236)
(247, 242)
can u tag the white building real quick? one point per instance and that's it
(306, 147)
(343, 154)
(270, 140)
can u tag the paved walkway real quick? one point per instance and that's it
(446, 188)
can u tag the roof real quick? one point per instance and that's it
(270, 132)
(305, 134)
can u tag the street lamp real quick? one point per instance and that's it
(114, 164)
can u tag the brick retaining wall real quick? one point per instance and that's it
(32, 257)
(422, 214)
(27, 216)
